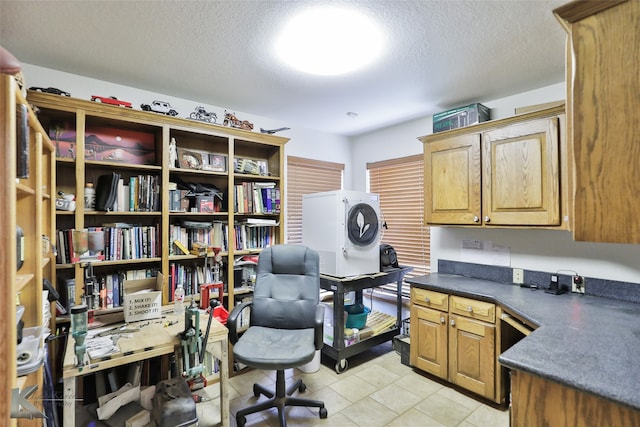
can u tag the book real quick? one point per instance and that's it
(22, 137)
(262, 221)
(119, 207)
(182, 247)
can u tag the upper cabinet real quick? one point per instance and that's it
(603, 108)
(501, 173)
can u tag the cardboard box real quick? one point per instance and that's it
(143, 299)
(460, 117)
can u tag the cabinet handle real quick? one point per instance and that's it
(452, 322)
(476, 219)
(487, 219)
(442, 320)
(470, 309)
(427, 300)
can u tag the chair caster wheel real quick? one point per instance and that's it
(256, 392)
(323, 413)
(241, 420)
(302, 388)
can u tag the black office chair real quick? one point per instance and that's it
(285, 328)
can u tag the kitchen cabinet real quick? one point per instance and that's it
(603, 115)
(429, 332)
(539, 402)
(457, 339)
(472, 349)
(508, 172)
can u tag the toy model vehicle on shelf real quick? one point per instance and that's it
(160, 107)
(111, 100)
(230, 119)
(201, 114)
(53, 90)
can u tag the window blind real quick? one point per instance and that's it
(306, 176)
(400, 184)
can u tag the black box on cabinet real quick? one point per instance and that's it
(460, 117)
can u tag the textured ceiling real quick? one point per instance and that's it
(440, 54)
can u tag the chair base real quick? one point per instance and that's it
(280, 399)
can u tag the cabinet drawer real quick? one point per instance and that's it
(432, 299)
(475, 309)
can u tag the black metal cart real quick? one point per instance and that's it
(340, 286)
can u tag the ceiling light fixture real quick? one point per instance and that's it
(329, 41)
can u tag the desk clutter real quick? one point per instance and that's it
(179, 375)
(169, 403)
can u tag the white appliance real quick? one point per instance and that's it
(344, 227)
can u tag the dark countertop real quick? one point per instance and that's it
(588, 343)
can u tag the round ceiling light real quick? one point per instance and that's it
(329, 41)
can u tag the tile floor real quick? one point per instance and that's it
(375, 390)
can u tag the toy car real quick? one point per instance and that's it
(160, 107)
(111, 100)
(53, 90)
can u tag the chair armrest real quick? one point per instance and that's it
(319, 326)
(232, 320)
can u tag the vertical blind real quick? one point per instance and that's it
(306, 176)
(400, 184)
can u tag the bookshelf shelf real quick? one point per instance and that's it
(26, 204)
(83, 133)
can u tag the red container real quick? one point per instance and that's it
(221, 314)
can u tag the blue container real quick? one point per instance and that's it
(357, 320)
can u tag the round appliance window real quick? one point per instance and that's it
(362, 225)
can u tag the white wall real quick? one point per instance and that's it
(530, 249)
(543, 250)
(303, 142)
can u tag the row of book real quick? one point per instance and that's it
(190, 277)
(126, 241)
(120, 241)
(139, 193)
(111, 288)
(252, 236)
(256, 197)
(183, 237)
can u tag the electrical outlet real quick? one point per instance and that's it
(577, 284)
(518, 276)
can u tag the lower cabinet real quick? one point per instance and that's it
(457, 339)
(536, 401)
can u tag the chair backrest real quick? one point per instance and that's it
(287, 287)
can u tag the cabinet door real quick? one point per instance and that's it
(521, 180)
(472, 355)
(452, 180)
(604, 89)
(428, 350)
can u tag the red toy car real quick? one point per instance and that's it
(111, 100)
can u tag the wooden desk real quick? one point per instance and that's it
(151, 341)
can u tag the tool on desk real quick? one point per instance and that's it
(118, 330)
(79, 326)
(194, 347)
(171, 323)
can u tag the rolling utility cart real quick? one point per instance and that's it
(380, 327)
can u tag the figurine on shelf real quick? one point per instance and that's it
(173, 153)
(272, 131)
(230, 119)
(203, 115)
